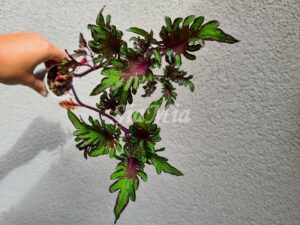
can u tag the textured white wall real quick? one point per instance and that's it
(240, 154)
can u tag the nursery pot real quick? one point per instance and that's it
(58, 88)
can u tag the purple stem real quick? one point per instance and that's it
(124, 129)
(87, 71)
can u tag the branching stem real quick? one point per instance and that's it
(102, 113)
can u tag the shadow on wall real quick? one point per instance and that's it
(69, 193)
(40, 135)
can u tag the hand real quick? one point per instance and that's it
(20, 53)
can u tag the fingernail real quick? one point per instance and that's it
(44, 93)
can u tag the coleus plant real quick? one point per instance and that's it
(124, 69)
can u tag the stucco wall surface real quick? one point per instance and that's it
(240, 152)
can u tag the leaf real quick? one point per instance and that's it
(151, 111)
(168, 23)
(117, 174)
(189, 56)
(143, 175)
(82, 41)
(113, 78)
(127, 189)
(98, 138)
(68, 104)
(137, 117)
(211, 32)
(188, 20)
(176, 23)
(100, 18)
(108, 19)
(197, 23)
(116, 63)
(157, 56)
(73, 118)
(161, 164)
(139, 31)
(178, 60)
(107, 40)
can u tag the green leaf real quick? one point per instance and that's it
(178, 60)
(191, 86)
(168, 23)
(127, 188)
(137, 117)
(100, 18)
(189, 56)
(105, 83)
(98, 138)
(121, 203)
(111, 72)
(108, 19)
(151, 111)
(74, 119)
(188, 20)
(98, 59)
(176, 23)
(117, 174)
(197, 23)
(139, 31)
(98, 152)
(116, 185)
(157, 56)
(112, 79)
(161, 164)
(143, 175)
(117, 63)
(211, 32)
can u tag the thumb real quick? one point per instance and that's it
(57, 54)
(37, 85)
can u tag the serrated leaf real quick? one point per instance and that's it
(116, 185)
(95, 137)
(113, 78)
(211, 32)
(127, 188)
(161, 164)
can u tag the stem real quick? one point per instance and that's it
(93, 68)
(124, 129)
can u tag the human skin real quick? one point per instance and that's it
(20, 53)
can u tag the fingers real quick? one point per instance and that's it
(36, 84)
(57, 54)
